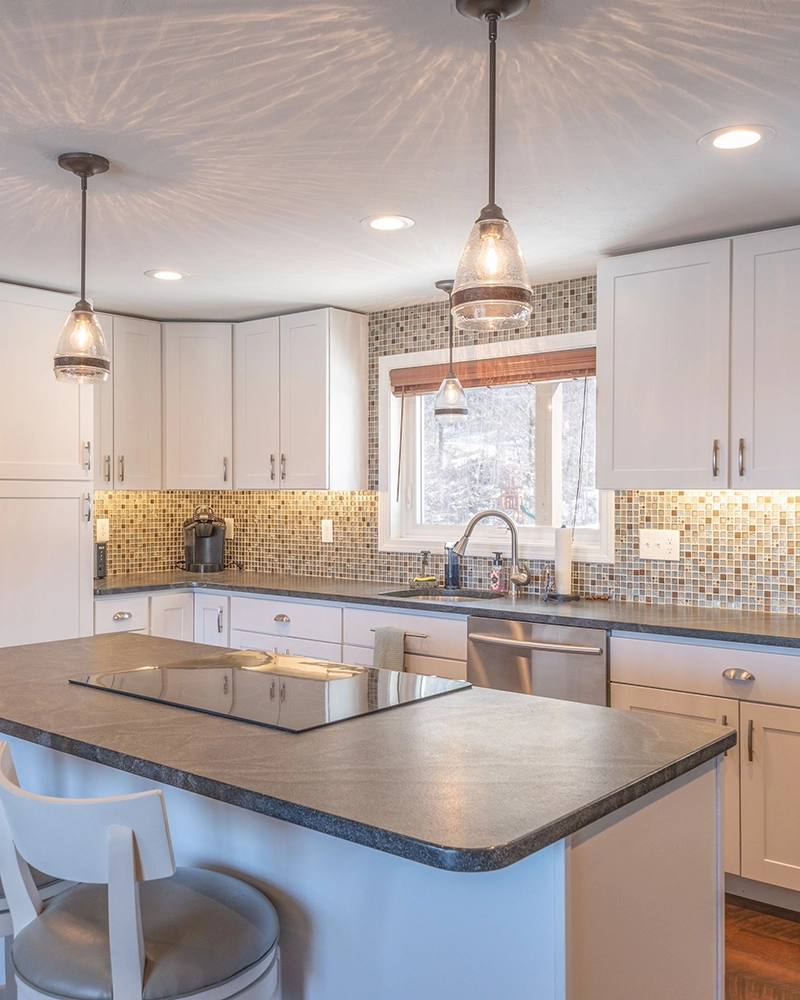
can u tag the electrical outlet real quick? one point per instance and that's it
(656, 544)
(229, 529)
(327, 530)
(101, 527)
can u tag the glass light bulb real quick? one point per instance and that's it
(451, 400)
(491, 291)
(81, 353)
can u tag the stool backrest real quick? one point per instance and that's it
(69, 838)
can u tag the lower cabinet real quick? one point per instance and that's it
(211, 619)
(722, 711)
(770, 752)
(172, 616)
(331, 651)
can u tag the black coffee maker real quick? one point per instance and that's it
(204, 541)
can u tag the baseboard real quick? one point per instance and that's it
(771, 895)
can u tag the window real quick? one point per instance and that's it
(527, 448)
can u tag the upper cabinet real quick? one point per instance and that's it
(198, 426)
(765, 351)
(300, 402)
(47, 426)
(675, 329)
(128, 408)
(663, 322)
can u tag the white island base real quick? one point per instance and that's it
(630, 908)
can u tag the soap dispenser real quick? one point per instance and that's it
(497, 574)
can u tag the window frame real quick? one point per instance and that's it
(397, 534)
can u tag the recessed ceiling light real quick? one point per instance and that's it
(388, 222)
(164, 274)
(737, 137)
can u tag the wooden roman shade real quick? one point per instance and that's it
(548, 366)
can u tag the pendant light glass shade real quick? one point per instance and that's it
(491, 290)
(81, 352)
(451, 400)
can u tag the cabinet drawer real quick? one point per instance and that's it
(124, 614)
(293, 619)
(698, 668)
(430, 635)
(330, 651)
(361, 656)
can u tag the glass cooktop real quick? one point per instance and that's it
(292, 693)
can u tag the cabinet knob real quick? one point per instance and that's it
(737, 674)
(282, 618)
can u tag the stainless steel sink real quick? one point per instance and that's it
(441, 594)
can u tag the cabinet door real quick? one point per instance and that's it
(136, 374)
(771, 794)
(45, 562)
(211, 619)
(47, 426)
(765, 352)
(256, 404)
(172, 616)
(723, 712)
(198, 435)
(662, 368)
(103, 445)
(304, 401)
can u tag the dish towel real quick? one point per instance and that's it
(390, 647)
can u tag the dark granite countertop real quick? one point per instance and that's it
(472, 781)
(660, 619)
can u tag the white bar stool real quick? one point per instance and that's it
(155, 933)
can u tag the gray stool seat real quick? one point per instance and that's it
(201, 929)
(42, 882)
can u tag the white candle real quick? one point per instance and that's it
(564, 561)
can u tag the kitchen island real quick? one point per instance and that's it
(478, 845)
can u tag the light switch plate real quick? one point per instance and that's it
(101, 527)
(659, 544)
(229, 529)
(327, 530)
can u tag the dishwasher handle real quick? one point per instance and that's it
(544, 647)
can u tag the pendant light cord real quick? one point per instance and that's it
(83, 237)
(450, 313)
(492, 19)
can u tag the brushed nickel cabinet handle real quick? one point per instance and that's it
(272, 691)
(715, 458)
(122, 468)
(225, 470)
(737, 674)
(283, 692)
(272, 468)
(87, 455)
(282, 618)
(741, 456)
(219, 619)
(107, 475)
(87, 507)
(750, 739)
(549, 647)
(122, 616)
(283, 466)
(412, 635)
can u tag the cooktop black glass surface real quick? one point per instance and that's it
(270, 689)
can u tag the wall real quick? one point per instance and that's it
(737, 547)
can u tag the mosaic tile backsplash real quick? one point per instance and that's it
(737, 548)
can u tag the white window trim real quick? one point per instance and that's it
(393, 536)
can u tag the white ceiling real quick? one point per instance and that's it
(248, 139)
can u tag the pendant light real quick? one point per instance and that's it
(451, 400)
(81, 353)
(492, 291)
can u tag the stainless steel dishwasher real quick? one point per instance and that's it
(553, 661)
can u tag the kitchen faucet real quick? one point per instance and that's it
(520, 575)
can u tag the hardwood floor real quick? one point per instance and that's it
(762, 952)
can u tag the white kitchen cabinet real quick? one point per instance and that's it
(723, 712)
(198, 418)
(663, 330)
(436, 666)
(172, 616)
(765, 410)
(256, 404)
(323, 401)
(47, 426)
(129, 613)
(46, 561)
(128, 407)
(770, 755)
(267, 643)
(211, 619)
